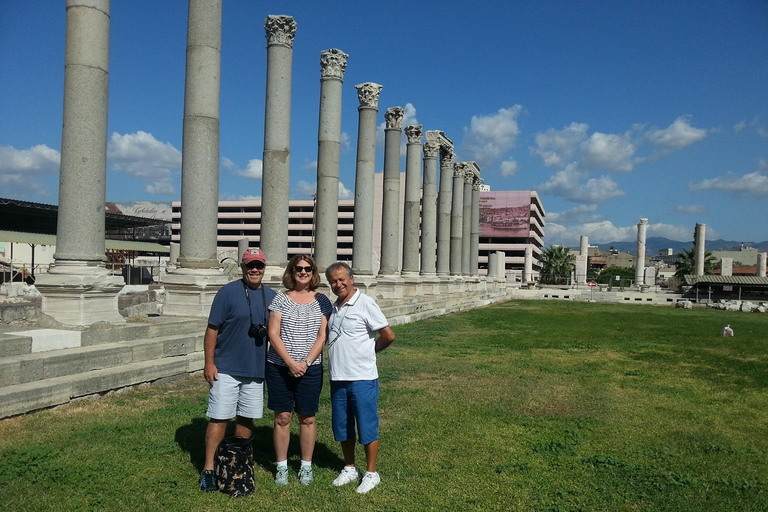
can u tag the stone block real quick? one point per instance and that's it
(31, 396)
(50, 339)
(14, 345)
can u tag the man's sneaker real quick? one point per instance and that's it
(305, 475)
(348, 475)
(207, 481)
(281, 477)
(370, 480)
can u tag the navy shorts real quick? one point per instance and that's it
(286, 393)
(355, 402)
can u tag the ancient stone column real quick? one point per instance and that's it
(444, 201)
(390, 215)
(429, 211)
(457, 218)
(493, 264)
(192, 286)
(411, 218)
(79, 290)
(581, 260)
(275, 181)
(761, 263)
(642, 228)
(726, 267)
(466, 224)
(242, 246)
(502, 262)
(699, 240)
(200, 145)
(362, 230)
(528, 265)
(332, 63)
(474, 246)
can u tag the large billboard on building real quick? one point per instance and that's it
(505, 213)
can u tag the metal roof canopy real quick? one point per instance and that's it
(25, 216)
(726, 280)
(118, 245)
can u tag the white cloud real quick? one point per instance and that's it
(345, 193)
(762, 163)
(306, 189)
(20, 186)
(693, 209)
(508, 168)
(607, 151)
(568, 184)
(238, 197)
(346, 142)
(752, 184)
(227, 163)
(739, 126)
(140, 154)
(580, 213)
(160, 188)
(36, 158)
(604, 232)
(557, 147)
(490, 138)
(253, 170)
(677, 135)
(761, 132)
(310, 166)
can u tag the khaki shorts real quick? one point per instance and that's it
(232, 396)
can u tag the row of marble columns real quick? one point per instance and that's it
(79, 290)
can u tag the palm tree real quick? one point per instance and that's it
(685, 264)
(556, 264)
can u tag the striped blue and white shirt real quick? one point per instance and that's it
(299, 325)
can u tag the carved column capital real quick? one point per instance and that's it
(368, 94)
(477, 183)
(332, 63)
(460, 170)
(280, 30)
(413, 133)
(430, 150)
(469, 176)
(446, 160)
(394, 117)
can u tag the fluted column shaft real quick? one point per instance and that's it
(83, 174)
(390, 215)
(200, 146)
(429, 211)
(333, 62)
(362, 230)
(700, 240)
(642, 228)
(275, 184)
(466, 225)
(457, 218)
(411, 218)
(474, 245)
(444, 201)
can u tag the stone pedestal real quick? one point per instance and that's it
(365, 283)
(79, 295)
(412, 285)
(389, 287)
(190, 292)
(430, 285)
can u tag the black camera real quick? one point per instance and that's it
(257, 332)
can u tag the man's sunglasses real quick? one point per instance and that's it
(299, 268)
(256, 264)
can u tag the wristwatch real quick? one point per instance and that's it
(309, 363)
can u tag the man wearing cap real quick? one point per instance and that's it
(235, 357)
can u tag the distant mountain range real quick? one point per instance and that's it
(654, 244)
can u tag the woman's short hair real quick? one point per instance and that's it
(290, 283)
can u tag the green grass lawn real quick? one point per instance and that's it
(525, 405)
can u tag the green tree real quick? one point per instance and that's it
(608, 276)
(685, 264)
(557, 263)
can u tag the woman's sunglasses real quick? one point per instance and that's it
(299, 268)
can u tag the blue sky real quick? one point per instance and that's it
(612, 111)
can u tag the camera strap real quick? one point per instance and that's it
(263, 301)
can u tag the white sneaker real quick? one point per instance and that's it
(348, 475)
(370, 480)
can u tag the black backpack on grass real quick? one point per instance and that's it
(233, 467)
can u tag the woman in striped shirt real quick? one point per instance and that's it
(297, 329)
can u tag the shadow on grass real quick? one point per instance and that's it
(191, 439)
